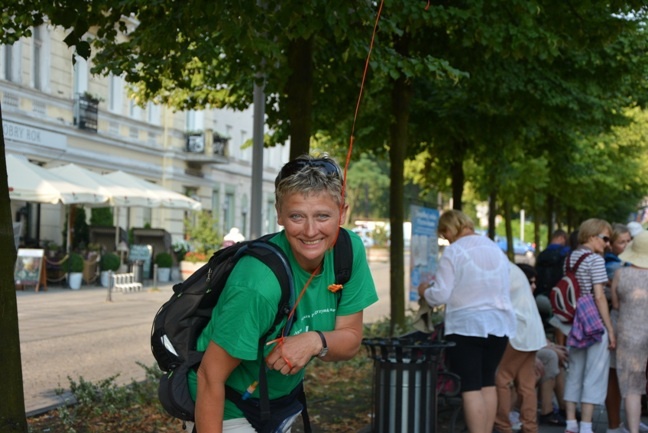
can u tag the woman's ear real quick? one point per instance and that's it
(343, 213)
(279, 218)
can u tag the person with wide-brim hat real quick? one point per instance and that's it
(630, 297)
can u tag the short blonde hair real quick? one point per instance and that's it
(454, 221)
(592, 227)
(308, 175)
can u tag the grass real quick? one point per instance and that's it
(339, 401)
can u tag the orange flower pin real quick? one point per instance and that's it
(335, 287)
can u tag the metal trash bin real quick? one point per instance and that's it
(404, 396)
(137, 268)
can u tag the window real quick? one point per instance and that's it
(147, 216)
(40, 58)
(228, 211)
(271, 214)
(195, 121)
(80, 75)
(246, 148)
(11, 62)
(115, 93)
(153, 113)
(216, 202)
(234, 149)
(134, 110)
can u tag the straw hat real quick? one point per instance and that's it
(637, 251)
(635, 228)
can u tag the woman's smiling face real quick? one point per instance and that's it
(311, 223)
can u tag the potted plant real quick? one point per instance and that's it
(109, 262)
(73, 266)
(52, 249)
(164, 261)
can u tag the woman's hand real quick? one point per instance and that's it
(295, 351)
(291, 354)
(611, 338)
(422, 288)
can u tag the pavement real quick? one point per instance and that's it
(91, 334)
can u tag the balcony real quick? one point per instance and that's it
(206, 147)
(86, 112)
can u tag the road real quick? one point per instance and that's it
(78, 334)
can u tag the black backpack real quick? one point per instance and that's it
(549, 269)
(180, 320)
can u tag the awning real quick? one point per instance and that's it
(32, 183)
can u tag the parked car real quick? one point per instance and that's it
(365, 236)
(519, 248)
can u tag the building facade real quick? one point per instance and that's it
(55, 112)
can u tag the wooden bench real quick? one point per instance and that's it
(126, 283)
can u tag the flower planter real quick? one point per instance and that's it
(104, 278)
(74, 280)
(164, 275)
(188, 268)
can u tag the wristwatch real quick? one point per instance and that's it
(324, 350)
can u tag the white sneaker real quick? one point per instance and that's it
(514, 417)
(643, 428)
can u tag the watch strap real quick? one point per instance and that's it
(324, 350)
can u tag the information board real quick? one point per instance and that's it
(143, 253)
(30, 268)
(424, 247)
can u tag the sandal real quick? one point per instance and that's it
(552, 418)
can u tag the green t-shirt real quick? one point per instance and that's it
(248, 306)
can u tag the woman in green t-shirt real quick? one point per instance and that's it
(310, 206)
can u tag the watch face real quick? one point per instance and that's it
(323, 352)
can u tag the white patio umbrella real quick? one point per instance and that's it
(167, 197)
(118, 194)
(32, 183)
(125, 190)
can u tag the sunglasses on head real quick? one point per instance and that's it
(326, 166)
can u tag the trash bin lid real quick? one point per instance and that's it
(410, 348)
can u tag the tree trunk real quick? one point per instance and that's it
(510, 252)
(299, 91)
(492, 213)
(458, 180)
(400, 100)
(12, 409)
(550, 217)
(536, 229)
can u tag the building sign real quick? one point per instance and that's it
(27, 134)
(424, 247)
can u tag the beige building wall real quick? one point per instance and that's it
(39, 91)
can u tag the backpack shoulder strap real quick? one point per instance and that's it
(343, 257)
(276, 260)
(578, 262)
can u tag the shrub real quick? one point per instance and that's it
(110, 262)
(203, 233)
(195, 256)
(74, 263)
(164, 260)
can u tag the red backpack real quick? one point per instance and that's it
(566, 292)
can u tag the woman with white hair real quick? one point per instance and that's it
(473, 282)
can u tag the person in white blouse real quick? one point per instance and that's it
(517, 367)
(472, 280)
